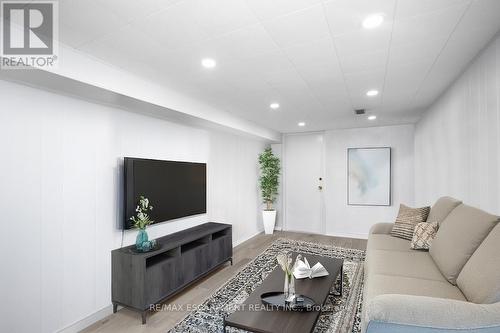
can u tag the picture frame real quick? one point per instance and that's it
(369, 176)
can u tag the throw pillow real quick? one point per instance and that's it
(423, 235)
(407, 219)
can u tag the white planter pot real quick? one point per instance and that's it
(269, 218)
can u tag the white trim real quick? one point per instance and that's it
(304, 232)
(239, 241)
(349, 235)
(322, 173)
(283, 182)
(344, 235)
(87, 321)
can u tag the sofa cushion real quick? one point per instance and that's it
(407, 219)
(424, 235)
(381, 228)
(384, 242)
(414, 264)
(479, 280)
(442, 208)
(387, 242)
(411, 314)
(381, 284)
(459, 235)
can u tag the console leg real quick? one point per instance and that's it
(143, 315)
(115, 307)
(231, 261)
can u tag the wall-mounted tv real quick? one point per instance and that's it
(174, 189)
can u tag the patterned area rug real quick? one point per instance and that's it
(340, 313)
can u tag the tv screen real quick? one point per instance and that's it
(174, 189)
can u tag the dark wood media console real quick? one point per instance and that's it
(139, 280)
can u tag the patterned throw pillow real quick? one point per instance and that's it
(407, 219)
(423, 236)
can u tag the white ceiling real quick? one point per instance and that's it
(311, 56)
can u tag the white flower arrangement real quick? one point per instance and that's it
(286, 262)
(142, 220)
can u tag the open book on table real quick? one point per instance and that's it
(303, 270)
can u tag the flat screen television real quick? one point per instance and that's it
(174, 189)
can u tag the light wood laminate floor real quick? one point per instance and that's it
(127, 321)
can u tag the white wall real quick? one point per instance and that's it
(61, 180)
(457, 143)
(339, 218)
(234, 195)
(355, 221)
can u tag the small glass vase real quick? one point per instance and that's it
(141, 239)
(289, 287)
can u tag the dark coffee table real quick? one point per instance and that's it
(252, 316)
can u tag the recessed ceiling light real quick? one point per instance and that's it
(373, 21)
(208, 63)
(372, 93)
(302, 124)
(372, 117)
(274, 106)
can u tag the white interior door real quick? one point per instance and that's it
(303, 172)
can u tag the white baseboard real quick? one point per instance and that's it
(244, 239)
(349, 235)
(87, 321)
(337, 234)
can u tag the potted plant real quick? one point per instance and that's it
(141, 221)
(269, 182)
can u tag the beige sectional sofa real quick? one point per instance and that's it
(453, 287)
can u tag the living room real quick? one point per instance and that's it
(250, 165)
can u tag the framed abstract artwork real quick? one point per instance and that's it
(369, 176)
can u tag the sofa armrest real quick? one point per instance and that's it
(405, 313)
(381, 228)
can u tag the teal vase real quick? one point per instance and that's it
(142, 238)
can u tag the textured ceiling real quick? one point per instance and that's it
(312, 57)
